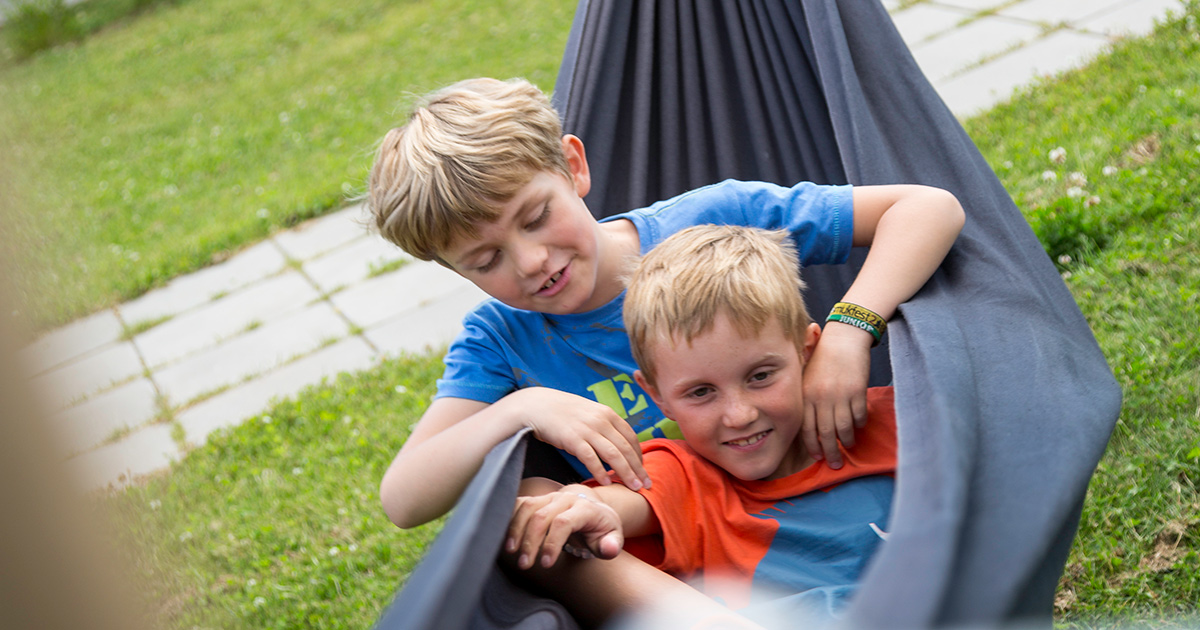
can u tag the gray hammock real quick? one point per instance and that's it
(1004, 402)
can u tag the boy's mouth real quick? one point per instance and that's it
(553, 279)
(750, 440)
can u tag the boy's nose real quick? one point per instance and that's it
(531, 260)
(739, 412)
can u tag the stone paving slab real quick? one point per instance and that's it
(385, 296)
(1133, 19)
(145, 451)
(96, 372)
(90, 423)
(71, 341)
(187, 292)
(918, 22)
(995, 81)
(205, 326)
(252, 353)
(352, 263)
(427, 328)
(232, 407)
(946, 54)
(315, 237)
(972, 6)
(1058, 12)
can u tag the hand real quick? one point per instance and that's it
(835, 391)
(542, 526)
(590, 431)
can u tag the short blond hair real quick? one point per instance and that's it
(465, 150)
(677, 290)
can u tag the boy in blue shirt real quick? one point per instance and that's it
(482, 180)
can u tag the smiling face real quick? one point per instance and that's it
(545, 252)
(737, 399)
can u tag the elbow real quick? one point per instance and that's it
(953, 214)
(398, 511)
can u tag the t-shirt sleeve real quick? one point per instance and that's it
(476, 368)
(820, 218)
(673, 498)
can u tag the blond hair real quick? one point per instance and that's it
(677, 290)
(465, 150)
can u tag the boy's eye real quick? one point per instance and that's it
(540, 220)
(490, 264)
(700, 392)
(761, 376)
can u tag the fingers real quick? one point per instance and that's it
(632, 449)
(827, 433)
(858, 407)
(542, 527)
(622, 455)
(808, 430)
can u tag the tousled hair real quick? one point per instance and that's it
(465, 150)
(678, 289)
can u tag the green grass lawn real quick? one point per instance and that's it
(1105, 164)
(168, 139)
(275, 524)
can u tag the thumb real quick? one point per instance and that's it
(607, 546)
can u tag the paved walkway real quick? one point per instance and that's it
(328, 297)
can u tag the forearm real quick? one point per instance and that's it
(597, 590)
(431, 472)
(907, 245)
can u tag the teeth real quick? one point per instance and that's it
(552, 280)
(753, 439)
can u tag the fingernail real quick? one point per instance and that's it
(635, 485)
(510, 545)
(546, 560)
(646, 483)
(523, 561)
(835, 465)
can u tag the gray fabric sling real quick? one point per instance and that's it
(1004, 401)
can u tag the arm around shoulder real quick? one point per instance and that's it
(910, 229)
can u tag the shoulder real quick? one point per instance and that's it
(878, 446)
(493, 322)
(674, 459)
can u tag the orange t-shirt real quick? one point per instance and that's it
(815, 528)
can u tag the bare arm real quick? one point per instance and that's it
(909, 229)
(609, 581)
(448, 445)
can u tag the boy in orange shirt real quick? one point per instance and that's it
(739, 508)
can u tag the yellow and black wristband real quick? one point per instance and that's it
(859, 317)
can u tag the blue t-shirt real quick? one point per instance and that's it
(502, 349)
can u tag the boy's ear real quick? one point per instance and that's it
(649, 388)
(581, 175)
(811, 335)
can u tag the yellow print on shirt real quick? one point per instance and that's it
(614, 392)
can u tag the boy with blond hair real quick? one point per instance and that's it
(482, 180)
(739, 506)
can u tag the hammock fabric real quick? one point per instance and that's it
(1004, 401)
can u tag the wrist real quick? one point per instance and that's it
(853, 316)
